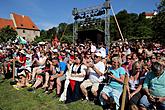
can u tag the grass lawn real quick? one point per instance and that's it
(12, 99)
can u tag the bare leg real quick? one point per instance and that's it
(105, 97)
(58, 86)
(133, 107)
(51, 83)
(46, 80)
(38, 82)
(23, 81)
(142, 108)
(84, 91)
(34, 72)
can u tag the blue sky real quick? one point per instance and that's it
(48, 13)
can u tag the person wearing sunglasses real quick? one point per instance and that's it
(113, 90)
(96, 70)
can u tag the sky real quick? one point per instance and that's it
(50, 13)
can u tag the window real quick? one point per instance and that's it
(21, 24)
(33, 26)
(23, 31)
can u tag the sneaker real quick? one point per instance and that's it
(32, 81)
(16, 87)
(44, 86)
(48, 91)
(28, 85)
(85, 101)
(13, 82)
(31, 89)
(56, 96)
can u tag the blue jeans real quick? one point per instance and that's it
(145, 103)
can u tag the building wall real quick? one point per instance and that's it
(149, 17)
(28, 34)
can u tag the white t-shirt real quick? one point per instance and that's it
(103, 52)
(42, 61)
(128, 51)
(93, 48)
(149, 53)
(94, 77)
(83, 72)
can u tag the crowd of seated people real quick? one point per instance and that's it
(81, 71)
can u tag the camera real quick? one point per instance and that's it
(109, 72)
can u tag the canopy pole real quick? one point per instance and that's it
(117, 24)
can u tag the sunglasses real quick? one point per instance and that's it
(96, 56)
(114, 61)
(138, 68)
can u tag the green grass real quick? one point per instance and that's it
(12, 99)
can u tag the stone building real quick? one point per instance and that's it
(22, 24)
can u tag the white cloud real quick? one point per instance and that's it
(46, 25)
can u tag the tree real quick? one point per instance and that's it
(142, 27)
(127, 24)
(7, 33)
(132, 25)
(68, 39)
(158, 24)
(61, 29)
(51, 32)
(42, 37)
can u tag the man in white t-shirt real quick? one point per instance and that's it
(102, 50)
(93, 48)
(96, 72)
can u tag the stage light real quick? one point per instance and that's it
(76, 17)
(75, 12)
(84, 15)
(107, 4)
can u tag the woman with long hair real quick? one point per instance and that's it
(135, 85)
(78, 72)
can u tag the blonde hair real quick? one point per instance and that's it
(134, 67)
(117, 59)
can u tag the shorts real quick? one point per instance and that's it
(111, 92)
(88, 83)
(62, 78)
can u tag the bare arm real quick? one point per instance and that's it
(120, 80)
(97, 71)
(82, 74)
(137, 90)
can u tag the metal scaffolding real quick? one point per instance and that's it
(91, 12)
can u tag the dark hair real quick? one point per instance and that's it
(80, 57)
(55, 58)
(156, 66)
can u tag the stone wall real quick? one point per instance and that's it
(28, 34)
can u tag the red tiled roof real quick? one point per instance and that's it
(149, 14)
(24, 22)
(6, 22)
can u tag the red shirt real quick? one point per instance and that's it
(23, 59)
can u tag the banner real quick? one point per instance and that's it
(21, 40)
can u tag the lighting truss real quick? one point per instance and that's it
(88, 17)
